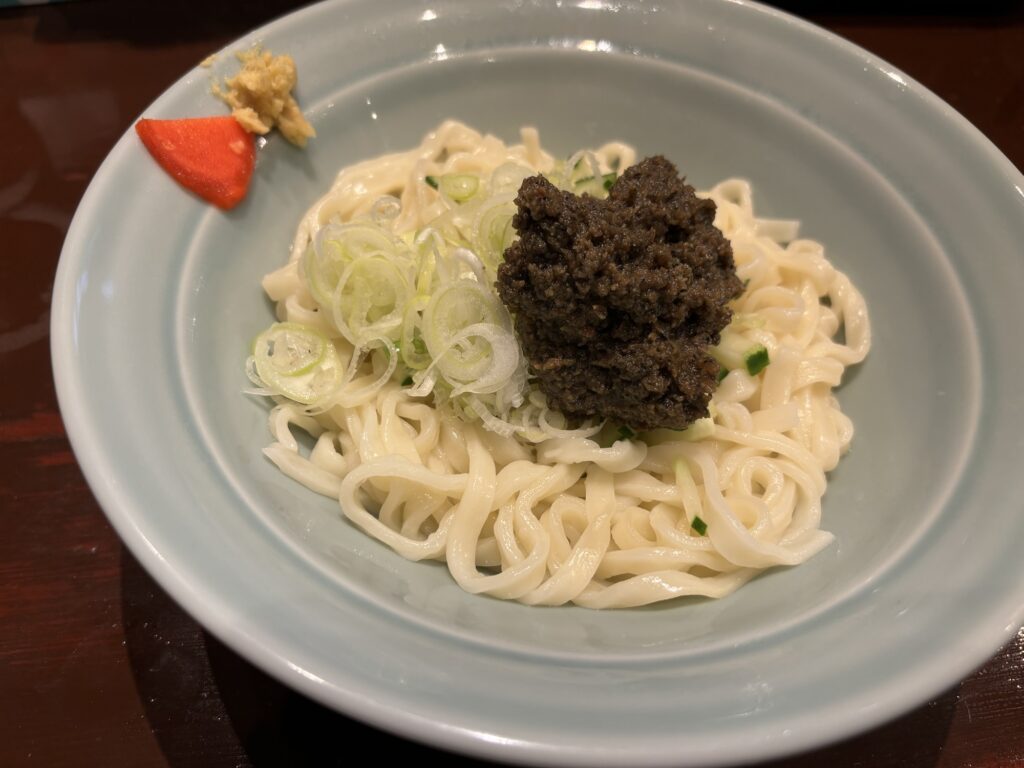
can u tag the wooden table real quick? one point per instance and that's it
(98, 667)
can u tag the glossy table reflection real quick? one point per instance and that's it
(97, 665)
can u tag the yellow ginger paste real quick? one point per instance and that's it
(260, 96)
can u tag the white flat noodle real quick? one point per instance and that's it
(569, 519)
(304, 471)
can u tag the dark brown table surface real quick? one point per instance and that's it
(98, 666)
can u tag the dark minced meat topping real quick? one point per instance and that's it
(616, 301)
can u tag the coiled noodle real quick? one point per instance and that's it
(534, 510)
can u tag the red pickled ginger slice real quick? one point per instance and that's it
(211, 156)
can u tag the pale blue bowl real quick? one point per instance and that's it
(157, 297)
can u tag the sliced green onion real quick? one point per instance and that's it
(492, 232)
(509, 177)
(370, 300)
(427, 246)
(469, 337)
(298, 362)
(383, 365)
(485, 357)
(459, 186)
(336, 246)
(413, 349)
(292, 349)
(699, 526)
(443, 330)
(457, 305)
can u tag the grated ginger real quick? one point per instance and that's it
(260, 96)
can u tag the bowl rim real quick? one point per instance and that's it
(232, 628)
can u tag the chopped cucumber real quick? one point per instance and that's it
(757, 360)
(735, 351)
(595, 186)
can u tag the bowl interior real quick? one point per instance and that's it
(712, 129)
(158, 296)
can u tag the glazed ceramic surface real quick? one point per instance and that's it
(158, 296)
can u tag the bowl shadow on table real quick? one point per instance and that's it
(206, 705)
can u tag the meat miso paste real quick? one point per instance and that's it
(616, 301)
